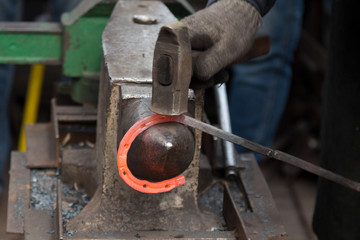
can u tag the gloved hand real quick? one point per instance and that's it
(224, 32)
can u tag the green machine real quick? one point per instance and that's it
(74, 43)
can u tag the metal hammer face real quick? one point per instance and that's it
(172, 70)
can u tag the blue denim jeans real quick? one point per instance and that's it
(259, 88)
(10, 10)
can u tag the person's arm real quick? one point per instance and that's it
(224, 31)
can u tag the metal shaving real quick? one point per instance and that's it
(43, 190)
(73, 201)
(212, 199)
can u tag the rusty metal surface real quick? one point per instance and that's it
(73, 200)
(61, 113)
(73, 124)
(115, 206)
(79, 168)
(233, 217)
(258, 221)
(19, 193)
(41, 134)
(76, 113)
(58, 218)
(225, 235)
(263, 217)
(255, 221)
(127, 44)
(158, 235)
(60, 200)
(253, 224)
(115, 211)
(205, 173)
(256, 217)
(39, 225)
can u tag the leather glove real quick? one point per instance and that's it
(224, 32)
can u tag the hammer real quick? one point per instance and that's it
(172, 68)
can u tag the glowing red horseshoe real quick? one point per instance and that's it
(124, 146)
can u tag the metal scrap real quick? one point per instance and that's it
(73, 201)
(43, 195)
(43, 190)
(211, 201)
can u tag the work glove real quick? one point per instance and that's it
(224, 32)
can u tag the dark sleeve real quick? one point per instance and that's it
(263, 6)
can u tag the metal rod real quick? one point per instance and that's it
(32, 102)
(271, 153)
(225, 124)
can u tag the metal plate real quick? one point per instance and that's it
(40, 146)
(58, 213)
(264, 218)
(39, 225)
(75, 113)
(127, 44)
(19, 193)
(159, 235)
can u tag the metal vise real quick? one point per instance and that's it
(125, 91)
(115, 210)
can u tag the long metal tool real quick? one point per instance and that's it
(271, 153)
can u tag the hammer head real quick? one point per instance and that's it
(172, 70)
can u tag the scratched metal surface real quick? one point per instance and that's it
(121, 53)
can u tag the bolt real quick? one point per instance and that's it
(144, 19)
